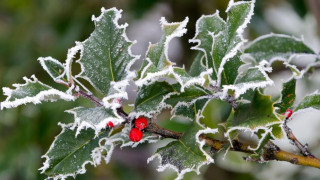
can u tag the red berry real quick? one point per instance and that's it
(135, 135)
(110, 124)
(288, 113)
(141, 123)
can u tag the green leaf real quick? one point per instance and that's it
(259, 114)
(95, 118)
(187, 153)
(153, 98)
(157, 64)
(54, 68)
(288, 96)
(206, 28)
(228, 42)
(150, 99)
(68, 154)
(310, 101)
(191, 110)
(189, 103)
(277, 47)
(198, 65)
(33, 91)
(255, 77)
(157, 58)
(106, 55)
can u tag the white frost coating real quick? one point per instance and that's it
(42, 96)
(108, 145)
(297, 74)
(178, 33)
(263, 136)
(44, 66)
(151, 77)
(198, 41)
(276, 35)
(241, 88)
(188, 104)
(254, 130)
(200, 144)
(46, 164)
(240, 30)
(71, 54)
(120, 86)
(80, 124)
(162, 105)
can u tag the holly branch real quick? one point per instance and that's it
(271, 151)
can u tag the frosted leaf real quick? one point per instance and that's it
(277, 46)
(198, 65)
(187, 153)
(149, 100)
(153, 98)
(255, 77)
(157, 59)
(228, 42)
(54, 68)
(206, 27)
(106, 56)
(257, 115)
(95, 118)
(288, 96)
(33, 91)
(311, 101)
(68, 155)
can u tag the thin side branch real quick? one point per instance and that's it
(293, 140)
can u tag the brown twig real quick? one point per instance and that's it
(271, 152)
(90, 97)
(293, 140)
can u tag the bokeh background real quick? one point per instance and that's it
(38, 28)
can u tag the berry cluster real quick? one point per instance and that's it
(136, 134)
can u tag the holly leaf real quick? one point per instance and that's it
(54, 68)
(106, 56)
(190, 110)
(255, 77)
(156, 62)
(149, 100)
(69, 154)
(189, 103)
(187, 153)
(153, 98)
(259, 114)
(198, 65)
(206, 28)
(277, 47)
(228, 42)
(288, 96)
(95, 118)
(33, 91)
(309, 101)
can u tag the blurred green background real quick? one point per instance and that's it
(38, 28)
